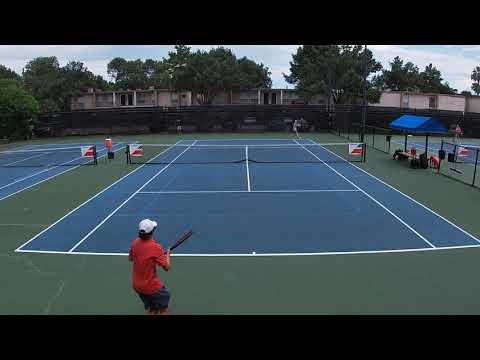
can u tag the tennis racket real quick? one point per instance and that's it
(180, 241)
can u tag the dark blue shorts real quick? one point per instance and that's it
(156, 301)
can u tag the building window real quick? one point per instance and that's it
(130, 99)
(405, 100)
(432, 102)
(123, 100)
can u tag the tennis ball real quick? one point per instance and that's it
(253, 252)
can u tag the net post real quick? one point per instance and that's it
(95, 156)
(127, 153)
(440, 160)
(364, 152)
(373, 137)
(475, 168)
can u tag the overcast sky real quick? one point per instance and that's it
(455, 62)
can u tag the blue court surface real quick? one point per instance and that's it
(235, 209)
(28, 166)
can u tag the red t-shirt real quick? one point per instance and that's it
(146, 254)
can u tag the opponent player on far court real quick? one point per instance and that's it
(296, 125)
(146, 254)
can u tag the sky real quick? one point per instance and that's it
(455, 62)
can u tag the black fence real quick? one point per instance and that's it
(238, 118)
(375, 137)
(460, 163)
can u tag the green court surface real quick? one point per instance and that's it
(428, 282)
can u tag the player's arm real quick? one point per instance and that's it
(163, 259)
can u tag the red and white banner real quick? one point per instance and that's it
(136, 150)
(355, 149)
(462, 152)
(88, 151)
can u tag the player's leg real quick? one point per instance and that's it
(160, 301)
(163, 311)
(147, 302)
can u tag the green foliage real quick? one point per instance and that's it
(476, 80)
(407, 77)
(466, 93)
(207, 73)
(42, 77)
(401, 77)
(18, 110)
(333, 71)
(431, 82)
(138, 74)
(6, 73)
(53, 86)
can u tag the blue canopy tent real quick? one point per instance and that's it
(419, 125)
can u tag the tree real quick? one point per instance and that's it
(333, 71)
(138, 74)
(6, 73)
(75, 79)
(431, 81)
(42, 76)
(252, 75)
(400, 77)
(53, 86)
(207, 73)
(466, 93)
(476, 80)
(18, 110)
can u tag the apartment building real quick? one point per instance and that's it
(130, 98)
(165, 97)
(414, 100)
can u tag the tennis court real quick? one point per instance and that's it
(24, 167)
(268, 197)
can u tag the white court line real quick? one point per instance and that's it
(48, 169)
(251, 139)
(86, 202)
(246, 191)
(372, 198)
(27, 158)
(407, 196)
(248, 171)
(129, 198)
(366, 252)
(43, 180)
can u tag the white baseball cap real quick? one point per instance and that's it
(147, 226)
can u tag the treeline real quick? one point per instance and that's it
(336, 71)
(45, 86)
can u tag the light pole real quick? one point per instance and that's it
(364, 110)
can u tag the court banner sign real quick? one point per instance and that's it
(136, 150)
(355, 149)
(88, 151)
(462, 152)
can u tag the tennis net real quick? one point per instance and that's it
(225, 154)
(43, 157)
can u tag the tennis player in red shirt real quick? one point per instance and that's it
(146, 254)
